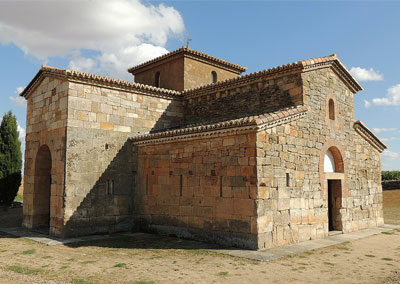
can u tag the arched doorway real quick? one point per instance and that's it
(42, 189)
(333, 170)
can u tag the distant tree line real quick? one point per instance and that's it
(10, 159)
(390, 175)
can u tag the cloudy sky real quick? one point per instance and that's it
(108, 36)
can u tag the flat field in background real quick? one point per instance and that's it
(391, 206)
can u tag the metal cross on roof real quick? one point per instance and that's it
(187, 41)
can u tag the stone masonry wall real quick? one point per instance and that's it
(292, 202)
(265, 95)
(202, 188)
(45, 125)
(99, 122)
(173, 66)
(197, 73)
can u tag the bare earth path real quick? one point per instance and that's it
(375, 259)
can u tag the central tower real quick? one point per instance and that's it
(183, 69)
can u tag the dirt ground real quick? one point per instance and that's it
(155, 259)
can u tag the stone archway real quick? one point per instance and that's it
(42, 189)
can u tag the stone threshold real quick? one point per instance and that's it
(285, 251)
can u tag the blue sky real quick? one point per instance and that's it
(113, 35)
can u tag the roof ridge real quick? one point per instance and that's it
(279, 68)
(191, 51)
(371, 134)
(100, 78)
(262, 119)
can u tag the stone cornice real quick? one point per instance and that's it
(185, 51)
(259, 122)
(369, 136)
(101, 81)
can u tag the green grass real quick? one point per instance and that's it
(80, 281)
(88, 261)
(18, 198)
(387, 233)
(387, 258)
(370, 255)
(29, 251)
(22, 269)
(222, 273)
(144, 282)
(328, 263)
(120, 265)
(343, 248)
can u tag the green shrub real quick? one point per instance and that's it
(390, 175)
(10, 159)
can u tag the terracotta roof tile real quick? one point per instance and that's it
(184, 49)
(240, 122)
(309, 63)
(377, 142)
(71, 74)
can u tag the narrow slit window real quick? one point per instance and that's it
(213, 77)
(147, 184)
(157, 79)
(220, 186)
(331, 110)
(181, 185)
(111, 187)
(287, 179)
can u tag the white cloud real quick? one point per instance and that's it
(116, 33)
(21, 138)
(362, 74)
(380, 130)
(392, 98)
(386, 140)
(389, 155)
(17, 100)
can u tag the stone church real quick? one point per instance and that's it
(195, 149)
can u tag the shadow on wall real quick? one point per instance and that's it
(108, 206)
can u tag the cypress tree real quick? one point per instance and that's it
(10, 159)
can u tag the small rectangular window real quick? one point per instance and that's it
(109, 187)
(112, 186)
(287, 179)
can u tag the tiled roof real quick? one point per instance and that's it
(262, 121)
(301, 65)
(102, 80)
(367, 134)
(239, 69)
(304, 65)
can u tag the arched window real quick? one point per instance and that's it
(157, 80)
(331, 110)
(329, 163)
(333, 161)
(213, 77)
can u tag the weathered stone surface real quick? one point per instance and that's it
(239, 162)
